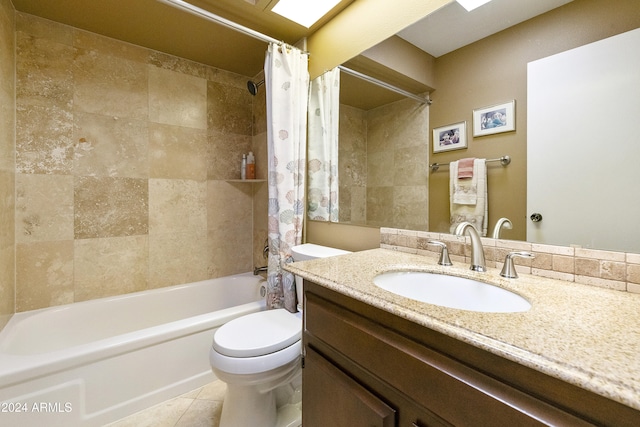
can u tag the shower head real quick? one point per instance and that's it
(253, 87)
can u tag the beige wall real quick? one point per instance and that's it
(360, 26)
(122, 157)
(7, 163)
(493, 71)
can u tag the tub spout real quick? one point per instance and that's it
(477, 251)
(258, 270)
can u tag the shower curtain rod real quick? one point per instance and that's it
(205, 14)
(194, 10)
(386, 85)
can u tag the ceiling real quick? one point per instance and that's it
(445, 30)
(452, 27)
(158, 26)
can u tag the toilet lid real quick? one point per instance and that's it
(258, 334)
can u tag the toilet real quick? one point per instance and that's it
(263, 370)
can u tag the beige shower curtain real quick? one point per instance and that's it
(324, 111)
(287, 84)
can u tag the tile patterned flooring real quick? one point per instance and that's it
(200, 407)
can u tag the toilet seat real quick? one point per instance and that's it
(267, 365)
(258, 334)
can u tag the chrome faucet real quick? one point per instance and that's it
(508, 269)
(477, 252)
(265, 255)
(444, 253)
(502, 222)
(259, 270)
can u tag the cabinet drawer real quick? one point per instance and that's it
(331, 398)
(453, 391)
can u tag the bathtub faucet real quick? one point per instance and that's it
(265, 255)
(259, 270)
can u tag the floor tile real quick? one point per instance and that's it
(200, 407)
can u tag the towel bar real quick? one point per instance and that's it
(504, 161)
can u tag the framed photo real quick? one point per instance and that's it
(494, 119)
(451, 137)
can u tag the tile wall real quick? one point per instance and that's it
(352, 164)
(122, 157)
(372, 189)
(7, 162)
(606, 269)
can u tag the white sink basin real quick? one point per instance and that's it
(452, 292)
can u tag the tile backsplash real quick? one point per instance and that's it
(606, 269)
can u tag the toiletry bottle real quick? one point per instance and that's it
(251, 166)
(243, 167)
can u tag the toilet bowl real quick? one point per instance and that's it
(255, 355)
(258, 357)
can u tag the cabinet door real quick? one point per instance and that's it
(331, 398)
(444, 391)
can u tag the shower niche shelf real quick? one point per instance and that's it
(246, 180)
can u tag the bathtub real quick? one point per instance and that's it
(93, 362)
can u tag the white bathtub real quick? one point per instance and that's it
(94, 362)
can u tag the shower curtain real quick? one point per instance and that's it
(324, 111)
(287, 84)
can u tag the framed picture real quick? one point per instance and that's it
(451, 137)
(494, 119)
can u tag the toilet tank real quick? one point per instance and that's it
(309, 251)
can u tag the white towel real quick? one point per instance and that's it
(468, 197)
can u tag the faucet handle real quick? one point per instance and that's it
(444, 252)
(508, 269)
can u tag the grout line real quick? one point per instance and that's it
(185, 411)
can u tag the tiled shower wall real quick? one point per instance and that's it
(372, 189)
(7, 165)
(122, 157)
(352, 165)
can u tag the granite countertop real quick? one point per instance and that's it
(584, 335)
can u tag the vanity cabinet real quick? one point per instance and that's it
(364, 366)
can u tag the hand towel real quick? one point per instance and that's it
(470, 203)
(465, 168)
(465, 191)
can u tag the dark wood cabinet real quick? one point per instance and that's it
(366, 367)
(339, 401)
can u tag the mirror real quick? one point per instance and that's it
(487, 72)
(375, 133)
